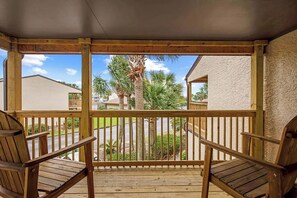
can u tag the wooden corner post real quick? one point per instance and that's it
(14, 77)
(257, 78)
(85, 130)
(189, 94)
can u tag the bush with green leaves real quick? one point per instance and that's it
(75, 121)
(36, 128)
(178, 124)
(167, 152)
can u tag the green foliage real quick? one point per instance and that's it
(161, 91)
(36, 128)
(201, 94)
(121, 156)
(101, 87)
(109, 144)
(73, 85)
(119, 70)
(166, 152)
(75, 121)
(178, 125)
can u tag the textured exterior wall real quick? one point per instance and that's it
(43, 94)
(280, 86)
(229, 78)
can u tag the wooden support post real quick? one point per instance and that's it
(189, 94)
(257, 97)
(86, 126)
(14, 78)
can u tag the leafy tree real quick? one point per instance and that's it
(101, 87)
(73, 85)
(161, 91)
(201, 94)
(137, 68)
(121, 84)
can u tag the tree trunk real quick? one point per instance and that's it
(130, 121)
(136, 63)
(121, 119)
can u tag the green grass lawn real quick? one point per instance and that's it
(108, 122)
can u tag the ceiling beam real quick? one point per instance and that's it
(41, 46)
(5, 42)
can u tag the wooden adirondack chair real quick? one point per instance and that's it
(250, 177)
(44, 176)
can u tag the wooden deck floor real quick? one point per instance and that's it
(146, 182)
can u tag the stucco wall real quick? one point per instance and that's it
(43, 94)
(280, 86)
(228, 81)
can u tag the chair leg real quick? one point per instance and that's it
(90, 168)
(206, 171)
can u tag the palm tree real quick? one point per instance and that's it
(137, 68)
(122, 85)
(101, 87)
(202, 93)
(161, 92)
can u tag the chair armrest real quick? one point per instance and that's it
(54, 154)
(268, 139)
(37, 135)
(231, 152)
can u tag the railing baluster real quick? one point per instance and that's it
(104, 139)
(231, 136)
(124, 139)
(118, 141)
(136, 140)
(53, 133)
(66, 134)
(59, 131)
(130, 138)
(180, 138)
(143, 138)
(155, 137)
(237, 134)
(72, 135)
(168, 134)
(33, 141)
(161, 138)
(218, 135)
(110, 139)
(193, 136)
(225, 136)
(199, 138)
(174, 139)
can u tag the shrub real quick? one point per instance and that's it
(167, 152)
(69, 122)
(36, 128)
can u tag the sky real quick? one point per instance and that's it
(67, 68)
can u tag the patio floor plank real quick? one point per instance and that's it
(146, 182)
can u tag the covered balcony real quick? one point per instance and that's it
(166, 158)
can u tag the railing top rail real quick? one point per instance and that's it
(174, 113)
(47, 113)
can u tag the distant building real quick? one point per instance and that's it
(42, 93)
(114, 103)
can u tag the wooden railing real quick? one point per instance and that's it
(194, 121)
(142, 138)
(165, 137)
(63, 128)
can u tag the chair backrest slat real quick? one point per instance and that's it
(14, 149)
(287, 151)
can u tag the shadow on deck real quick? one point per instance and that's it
(146, 182)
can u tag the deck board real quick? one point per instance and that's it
(146, 182)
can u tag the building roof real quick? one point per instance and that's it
(38, 75)
(149, 20)
(115, 101)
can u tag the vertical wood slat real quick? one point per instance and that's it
(59, 133)
(72, 136)
(237, 133)
(136, 138)
(104, 138)
(174, 139)
(155, 138)
(66, 134)
(110, 139)
(193, 138)
(168, 134)
(199, 144)
(130, 138)
(53, 133)
(124, 138)
(224, 136)
(162, 131)
(117, 138)
(149, 139)
(218, 135)
(33, 141)
(180, 138)
(187, 141)
(231, 134)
